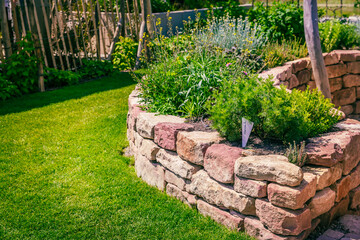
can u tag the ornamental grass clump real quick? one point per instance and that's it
(187, 68)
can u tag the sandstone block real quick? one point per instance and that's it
(347, 55)
(347, 109)
(192, 146)
(330, 58)
(353, 67)
(355, 177)
(219, 162)
(148, 148)
(337, 70)
(358, 92)
(220, 216)
(249, 187)
(335, 84)
(274, 168)
(130, 135)
(299, 64)
(339, 209)
(174, 179)
(165, 134)
(152, 173)
(293, 197)
(342, 188)
(214, 193)
(325, 176)
(174, 163)
(357, 107)
(133, 99)
(348, 125)
(322, 202)
(281, 73)
(312, 85)
(183, 196)
(303, 76)
(344, 97)
(334, 147)
(256, 229)
(293, 81)
(283, 221)
(351, 80)
(355, 198)
(302, 87)
(146, 122)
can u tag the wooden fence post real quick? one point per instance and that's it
(5, 29)
(313, 44)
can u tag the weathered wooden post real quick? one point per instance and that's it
(314, 47)
(145, 29)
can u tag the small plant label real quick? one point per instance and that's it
(246, 130)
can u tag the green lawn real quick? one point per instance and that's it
(62, 175)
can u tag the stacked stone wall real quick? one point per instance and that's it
(264, 195)
(343, 68)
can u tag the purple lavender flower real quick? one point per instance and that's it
(228, 64)
(245, 73)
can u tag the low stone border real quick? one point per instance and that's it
(266, 196)
(343, 68)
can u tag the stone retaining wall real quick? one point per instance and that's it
(266, 196)
(343, 68)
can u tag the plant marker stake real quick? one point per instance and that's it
(246, 130)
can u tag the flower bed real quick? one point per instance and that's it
(265, 195)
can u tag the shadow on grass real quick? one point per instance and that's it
(35, 100)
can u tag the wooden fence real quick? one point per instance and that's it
(67, 31)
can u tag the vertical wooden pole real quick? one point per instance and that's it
(102, 36)
(23, 32)
(128, 18)
(123, 21)
(75, 33)
(112, 15)
(15, 21)
(27, 14)
(66, 29)
(48, 34)
(56, 39)
(2, 58)
(106, 24)
(81, 30)
(39, 38)
(5, 30)
(61, 28)
(95, 28)
(136, 19)
(313, 44)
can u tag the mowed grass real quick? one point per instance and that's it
(62, 175)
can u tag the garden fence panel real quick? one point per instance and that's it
(66, 31)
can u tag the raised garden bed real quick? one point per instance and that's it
(264, 195)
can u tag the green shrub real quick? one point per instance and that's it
(58, 78)
(337, 35)
(7, 88)
(124, 56)
(95, 68)
(21, 68)
(161, 6)
(276, 113)
(276, 54)
(279, 21)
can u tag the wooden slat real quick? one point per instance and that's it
(113, 16)
(15, 21)
(102, 35)
(62, 35)
(128, 18)
(56, 38)
(76, 37)
(23, 32)
(136, 18)
(81, 30)
(95, 28)
(66, 29)
(5, 30)
(39, 35)
(48, 33)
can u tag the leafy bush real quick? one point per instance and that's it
(276, 54)
(7, 88)
(58, 78)
(21, 67)
(279, 21)
(161, 6)
(95, 68)
(124, 56)
(276, 113)
(337, 35)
